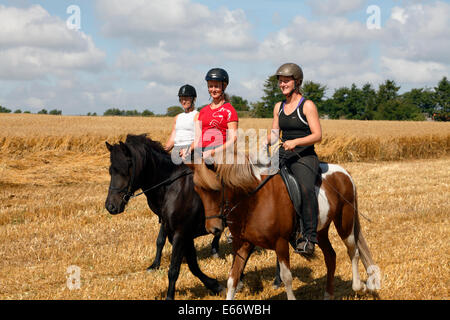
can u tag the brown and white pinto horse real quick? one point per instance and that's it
(266, 219)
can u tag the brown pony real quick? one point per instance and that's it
(266, 219)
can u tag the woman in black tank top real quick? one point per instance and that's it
(298, 122)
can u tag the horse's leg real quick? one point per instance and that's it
(277, 281)
(215, 246)
(330, 261)
(160, 242)
(240, 284)
(373, 271)
(178, 250)
(191, 258)
(282, 250)
(345, 228)
(242, 253)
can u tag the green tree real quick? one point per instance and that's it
(239, 103)
(314, 91)
(272, 95)
(397, 109)
(421, 98)
(174, 110)
(55, 112)
(369, 97)
(339, 106)
(351, 103)
(43, 111)
(147, 113)
(329, 107)
(387, 91)
(113, 112)
(4, 110)
(18, 111)
(131, 113)
(442, 96)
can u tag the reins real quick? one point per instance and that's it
(165, 182)
(225, 210)
(129, 195)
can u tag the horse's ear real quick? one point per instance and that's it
(211, 166)
(108, 146)
(125, 149)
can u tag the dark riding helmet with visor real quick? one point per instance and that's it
(217, 74)
(187, 91)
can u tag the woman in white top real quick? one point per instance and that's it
(183, 128)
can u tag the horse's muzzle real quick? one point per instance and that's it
(216, 231)
(113, 209)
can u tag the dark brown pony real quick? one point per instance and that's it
(266, 219)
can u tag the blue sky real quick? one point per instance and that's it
(135, 54)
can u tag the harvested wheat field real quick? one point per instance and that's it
(54, 181)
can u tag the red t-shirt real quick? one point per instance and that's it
(215, 124)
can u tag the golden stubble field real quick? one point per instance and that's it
(54, 180)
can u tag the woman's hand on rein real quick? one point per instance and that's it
(289, 145)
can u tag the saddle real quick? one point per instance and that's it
(293, 188)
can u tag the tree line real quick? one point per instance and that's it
(42, 111)
(365, 103)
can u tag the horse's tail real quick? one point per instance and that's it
(373, 271)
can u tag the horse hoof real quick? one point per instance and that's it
(239, 286)
(218, 289)
(328, 296)
(361, 288)
(276, 285)
(152, 268)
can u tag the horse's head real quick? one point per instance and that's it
(120, 170)
(208, 187)
(219, 186)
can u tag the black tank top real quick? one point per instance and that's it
(293, 126)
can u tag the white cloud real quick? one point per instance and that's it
(328, 52)
(36, 45)
(399, 14)
(182, 23)
(334, 7)
(172, 42)
(416, 72)
(418, 33)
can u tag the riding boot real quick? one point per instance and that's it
(309, 217)
(305, 170)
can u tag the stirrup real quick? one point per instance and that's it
(229, 236)
(304, 247)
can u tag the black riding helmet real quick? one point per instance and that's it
(187, 91)
(217, 74)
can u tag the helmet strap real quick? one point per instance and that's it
(291, 93)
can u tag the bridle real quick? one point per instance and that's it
(226, 209)
(128, 193)
(127, 189)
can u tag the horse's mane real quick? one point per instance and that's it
(145, 147)
(237, 176)
(143, 140)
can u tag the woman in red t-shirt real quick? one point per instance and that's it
(218, 121)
